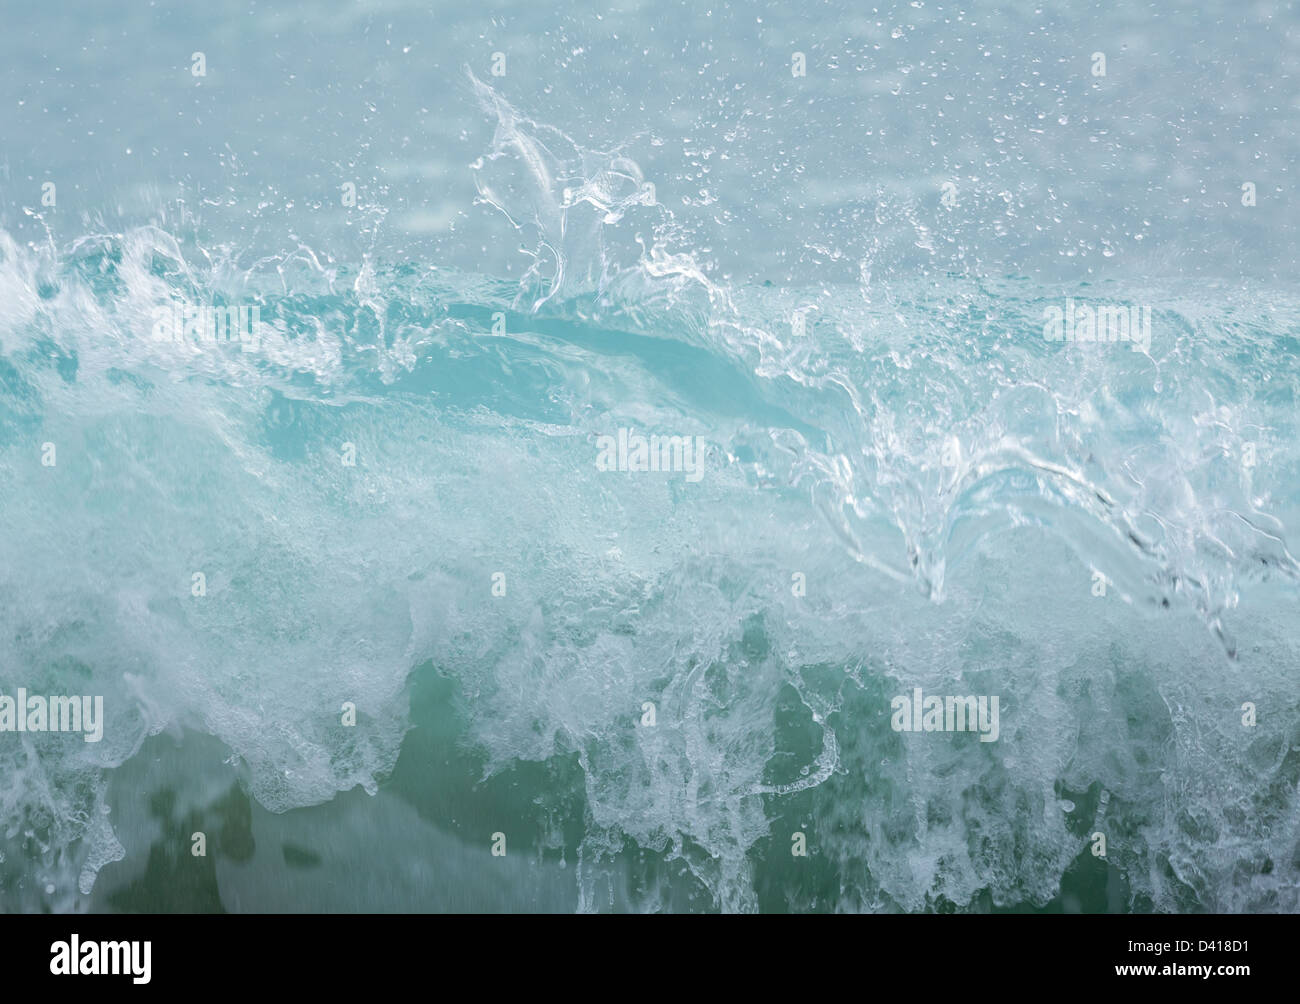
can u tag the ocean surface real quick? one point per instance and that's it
(978, 357)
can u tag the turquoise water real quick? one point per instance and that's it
(650, 688)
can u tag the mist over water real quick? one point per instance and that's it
(658, 688)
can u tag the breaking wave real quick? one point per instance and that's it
(950, 487)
